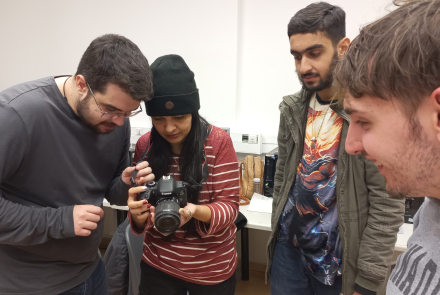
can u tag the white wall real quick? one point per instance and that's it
(266, 70)
(47, 37)
(238, 49)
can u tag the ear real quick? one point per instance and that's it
(81, 86)
(435, 101)
(342, 46)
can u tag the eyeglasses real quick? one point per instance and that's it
(114, 115)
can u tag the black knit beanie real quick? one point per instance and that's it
(175, 90)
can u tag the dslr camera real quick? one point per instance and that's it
(168, 196)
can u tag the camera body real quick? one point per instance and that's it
(167, 195)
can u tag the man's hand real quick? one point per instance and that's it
(144, 175)
(85, 219)
(140, 210)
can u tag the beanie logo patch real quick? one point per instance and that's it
(169, 105)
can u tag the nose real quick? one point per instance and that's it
(170, 127)
(119, 120)
(304, 66)
(353, 142)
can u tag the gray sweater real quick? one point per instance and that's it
(49, 162)
(418, 269)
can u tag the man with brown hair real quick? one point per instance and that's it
(391, 74)
(64, 148)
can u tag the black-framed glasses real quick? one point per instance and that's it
(114, 115)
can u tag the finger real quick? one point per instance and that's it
(144, 172)
(134, 191)
(184, 212)
(142, 165)
(141, 217)
(152, 216)
(94, 210)
(127, 171)
(137, 204)
(144, 215)
(89, 225)
(145, 179)
(92, 217)
(84, 232)
(143, 208)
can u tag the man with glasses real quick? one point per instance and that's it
(64, 147)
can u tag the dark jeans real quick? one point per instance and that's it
(156, 282)
(289, 275)
(95, 285)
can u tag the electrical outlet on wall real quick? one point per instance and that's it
(253, 138)
(247, 143)
(136, 131)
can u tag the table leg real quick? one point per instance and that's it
(245, 254)
(120, 216)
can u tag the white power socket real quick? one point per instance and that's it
(136, 131)
(253, 138)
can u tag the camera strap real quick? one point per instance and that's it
(206, 130)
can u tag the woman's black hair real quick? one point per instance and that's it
(160, 158)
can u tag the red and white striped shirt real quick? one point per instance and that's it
(211, 259)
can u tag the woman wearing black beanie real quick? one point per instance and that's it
(200, 256)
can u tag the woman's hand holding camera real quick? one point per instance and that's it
(186, 214)
(140, 210)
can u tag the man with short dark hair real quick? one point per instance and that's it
(392, 77)
(64, 147)
(329, 208)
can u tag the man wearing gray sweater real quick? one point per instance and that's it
(392, 76)
(64, 147)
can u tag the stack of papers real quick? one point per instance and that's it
(260, 203)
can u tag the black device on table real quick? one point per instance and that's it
(412, 205)
(270, 164)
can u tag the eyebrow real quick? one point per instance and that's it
(350, 111)
(115, 108)
(316, 46)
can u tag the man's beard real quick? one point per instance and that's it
(419, 156)
(83, 111)
(326, 82)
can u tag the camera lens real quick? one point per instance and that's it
(167, 219)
